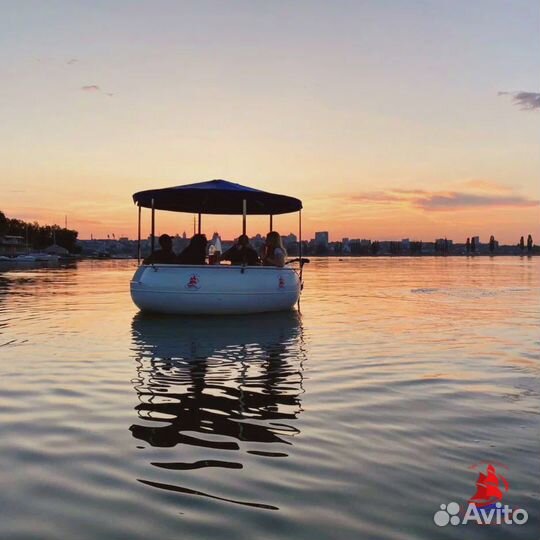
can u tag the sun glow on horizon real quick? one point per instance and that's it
(387, 214)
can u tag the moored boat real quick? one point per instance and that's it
(45, 257)
(216, 289)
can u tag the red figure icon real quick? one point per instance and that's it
(281, 282)
(193, 282)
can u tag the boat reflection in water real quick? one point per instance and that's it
(221, 391)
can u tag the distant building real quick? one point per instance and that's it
(415, 247)
(290, 238)
(443, 245)
(359, 246)
(257, 242)
(11, 245)
(291, 243)
(179, 243)
(493, 244)
(321, 239)
(107, 247)
(345, 246)
(321, 243)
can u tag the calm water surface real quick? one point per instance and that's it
(355, 419)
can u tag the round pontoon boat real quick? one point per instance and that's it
(216, 289)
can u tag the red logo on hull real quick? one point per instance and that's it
(193, 282)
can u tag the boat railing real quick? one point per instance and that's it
(301, 260)
(223, 266)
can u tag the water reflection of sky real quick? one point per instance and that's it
(356, 421)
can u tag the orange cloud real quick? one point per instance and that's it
(471, 207)
(465, 201)
(483, 195)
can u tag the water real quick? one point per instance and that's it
(356, 419)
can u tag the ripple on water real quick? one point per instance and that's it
(356, 419)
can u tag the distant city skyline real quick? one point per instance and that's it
(387, 119)
(319, 246)
(324, 238)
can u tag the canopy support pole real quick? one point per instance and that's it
(271, 222)
(244, 213)
(300, 242)
(199, 224)
(153, 233)
(139, 236)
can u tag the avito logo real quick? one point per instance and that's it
(496, 515)
(485, 507)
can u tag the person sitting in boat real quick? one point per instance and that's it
(274, 252)
(195, 252)
(241, 253)
(165, 255)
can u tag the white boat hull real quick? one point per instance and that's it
(214, 290)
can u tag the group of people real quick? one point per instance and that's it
(241, 253)
(194, 253)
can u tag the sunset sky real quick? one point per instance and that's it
(388, 118)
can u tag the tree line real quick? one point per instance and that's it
(39, 236)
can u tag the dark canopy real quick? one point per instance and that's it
(216, 197)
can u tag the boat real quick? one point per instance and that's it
(45, 257)
(35, 258)
(215, 289)
(26, 258)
